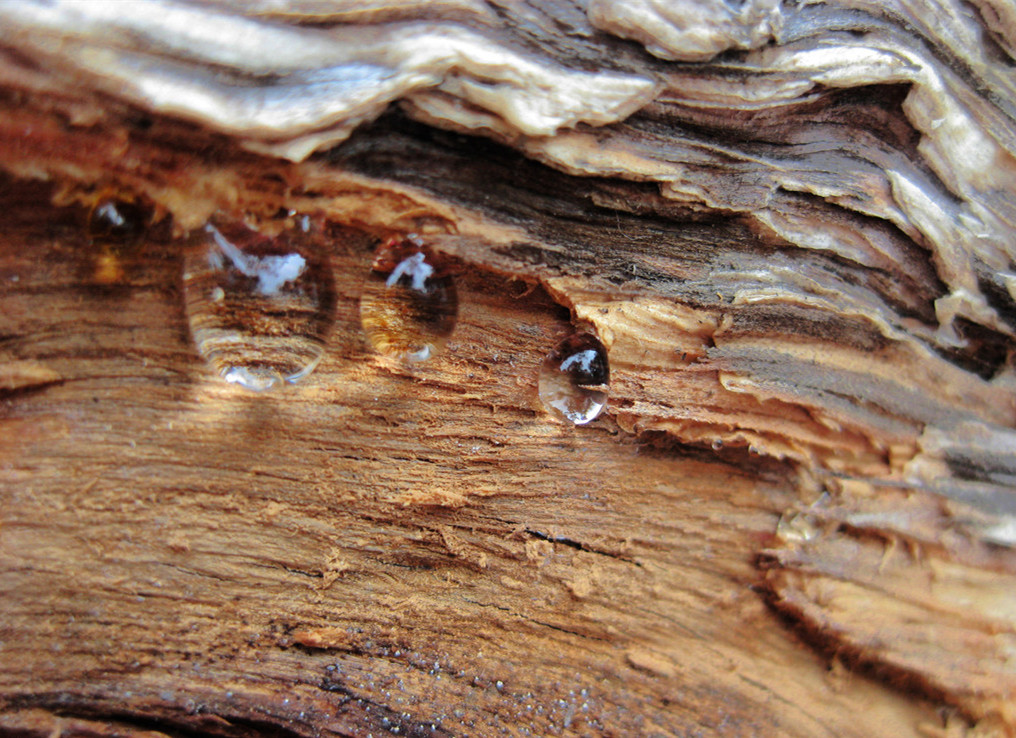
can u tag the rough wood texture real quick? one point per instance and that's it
(791, 225)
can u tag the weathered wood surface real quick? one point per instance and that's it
(790, 224)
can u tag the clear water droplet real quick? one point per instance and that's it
(409, 304)
(574, 378)
(260, 308)
(797, 528)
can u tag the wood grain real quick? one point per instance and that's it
(789, 225)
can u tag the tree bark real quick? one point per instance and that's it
(791, 227)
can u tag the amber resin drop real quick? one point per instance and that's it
(260, 308)
(409, 304)
(574, 378)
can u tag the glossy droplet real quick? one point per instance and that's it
(114, 227)
(259, 307)
(409, 303)
(117, 222)
(574, 378)
(797, 528)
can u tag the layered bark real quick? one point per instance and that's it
(790, 226)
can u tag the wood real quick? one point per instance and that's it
(791, 228)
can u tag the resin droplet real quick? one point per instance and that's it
(409, 304)
(574, 378)
(259, 307)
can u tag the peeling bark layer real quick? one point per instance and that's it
(791, 226)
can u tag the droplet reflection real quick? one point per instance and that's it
(574, 378)
(409, 304)
(259, 307)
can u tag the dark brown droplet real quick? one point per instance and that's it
(409, 304)
(115, 227)
(117, 222)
